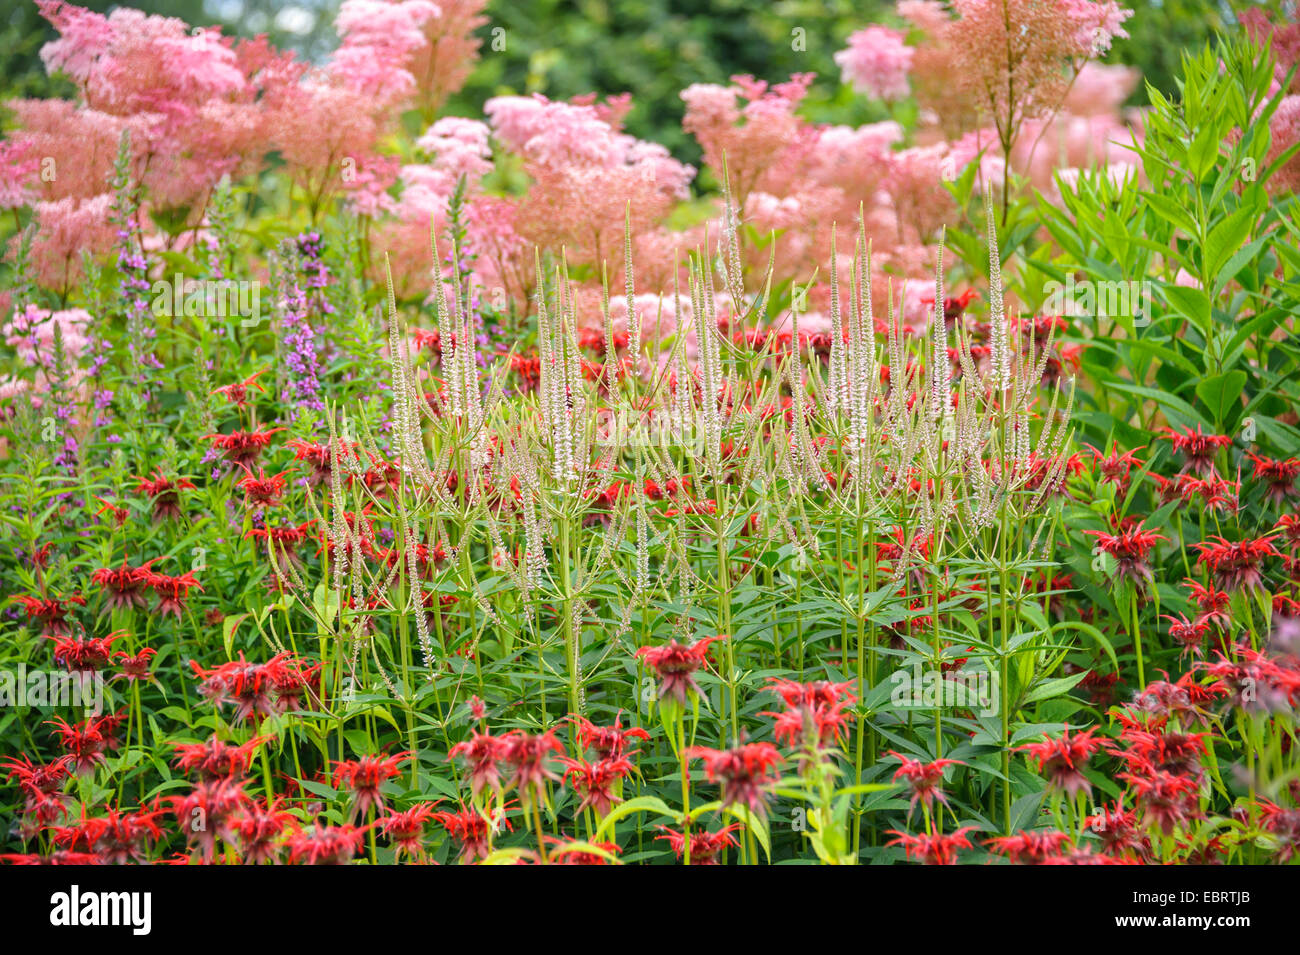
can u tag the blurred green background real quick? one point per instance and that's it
(651, 48)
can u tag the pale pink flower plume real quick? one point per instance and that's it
(877, 63)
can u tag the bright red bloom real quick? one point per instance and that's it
(529, 755)
(406, 829)
(924, 779)
(1115, 468)
(1062, 759)
(1190, 634)
(166, 495)
(1280, 476)
(209, 812)
(1212, 603)
(49, 612)
(237, 393)
(85, 743)
(567, 853)
(84, 654)
(284, 542)
(674, 664)
(217, 760)
(172, 591)
(933, 849)
(320, 459)
(1197, 448)
(1119, 832)
(1284, 825)
(1130, 547)
(242, 448)
(483, 754)
(472, 830)
(1217, 494)
(1177, 753)
(125, 585)
(596, 782)
(249, 686)
(1236, 565)
(120, 514)
(117, 837)
(609, 742)
(257, 829)
(262, 491)
(1166, 800)
(705, 846)
(742, 772)
(135, 667)
(42, 786)
(326, 845)
(1029, 847)
(365, 776)
(1289, 525)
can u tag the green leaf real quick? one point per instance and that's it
(1221, 392)
(625, 809)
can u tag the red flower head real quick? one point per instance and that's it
(1278, 475)
(41, 784)
(1029, 847)
(262, 491)
(84, 743)
(364, 776)
(215, 760)
(1130, 548)
(406, 829)
(209, 812)
(597, 782)
(326, 845)
(125, 585)
(924, 779)
(609, 742)
(483, 754)
(84, 654)
(135, 667)
(674, 664)
(237, 393)
(249, 686)
(1062, 760)
(1236, 565)
(49, 612)
(1188, 633)
(166, 495)
(242, 448)
(1197, 448)
(529, 756)
(1284, 825)
(1166, 800)
(1120, 833)
(742, 772)
(814, 714)
(1212, 603)
(472, 830)
(320, 460)
(119, 514)
(258, 828)
(172, 591)
(933, 849)
(1115, 468)
(705, 846)
(1289, 525)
